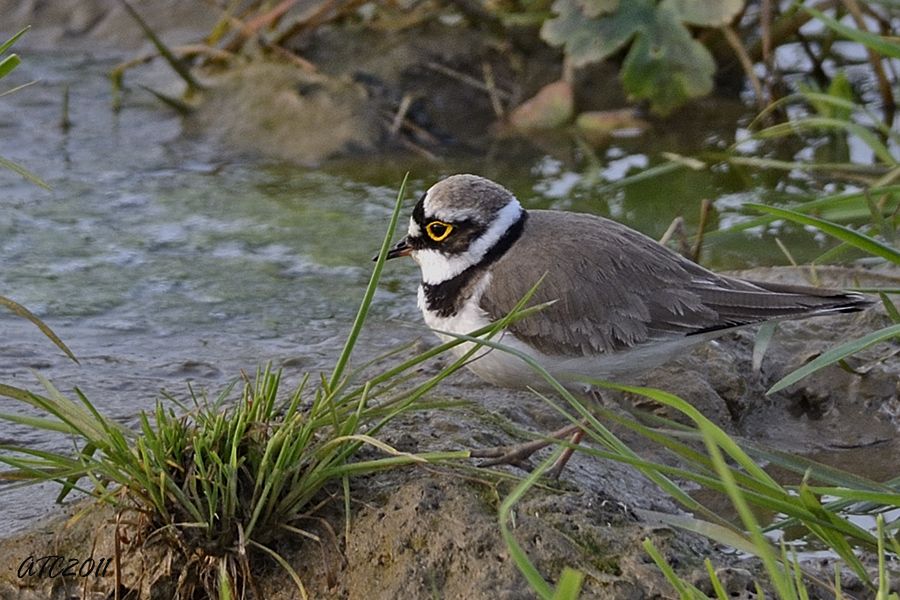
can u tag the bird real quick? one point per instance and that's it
(616, 302)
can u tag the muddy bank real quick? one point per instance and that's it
(436, 85)
(432, 531)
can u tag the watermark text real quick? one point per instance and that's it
(56, 565)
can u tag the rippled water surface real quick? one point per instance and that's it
(161, 262)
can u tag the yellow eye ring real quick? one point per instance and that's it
(438, 230)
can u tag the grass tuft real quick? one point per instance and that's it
(228, 477)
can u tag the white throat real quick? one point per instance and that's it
(438, 267)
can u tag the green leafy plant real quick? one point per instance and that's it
(664, 63)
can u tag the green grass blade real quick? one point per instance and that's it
(16, 89)
(516, 552)
(36, 422)
(889, 499)
(177, 65)
(370, 289)
(835, 207)
(707, 427)
(878, 43)
(23, 312)
(845, 234)
(779, 579)
(714, 580)
(644, 175)
(819, 123)
(86, 455)
(225, 590)
(836, 354)
(8, 64)
(569, 586)
(9, 43)
(890, 307)
(284, 565)
(834, 540)
(848, 106)
(48, 405)
(17, 168)
(792, 165)
(761, 343)
(718, 533)
(682, 587)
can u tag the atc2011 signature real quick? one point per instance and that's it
(56, 565)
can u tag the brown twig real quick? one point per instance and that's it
(289, 56)
(738, 46)
(400, 115)
(177, 65)
(317, 15)
(65, 123)
(408, 143)
(676, 225)
(466, 79)
(411, 145)
(768, 57)
(117, 556)
(786, 27)
(413, 128)
(765, 25)
(186, 51)
(818, 70)
(117, 74)
(180, 106)
(705, 206)
(488, 72)
(884, 85)
(248, 29)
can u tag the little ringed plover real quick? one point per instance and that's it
(622, 302)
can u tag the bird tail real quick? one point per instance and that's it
(745, 302)
(818, 301)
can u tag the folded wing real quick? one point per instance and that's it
(618, 289)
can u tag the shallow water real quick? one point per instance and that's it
(161, 262)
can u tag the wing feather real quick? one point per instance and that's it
(618, 288)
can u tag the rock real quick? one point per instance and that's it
(275, 109)
(597, 126)
(552, 107)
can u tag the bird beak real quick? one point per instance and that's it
(401, 248)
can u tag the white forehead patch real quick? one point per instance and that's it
(414, 230)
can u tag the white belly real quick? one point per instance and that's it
(507, 370)
(492, 365)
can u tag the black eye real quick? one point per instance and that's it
(438, 231)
